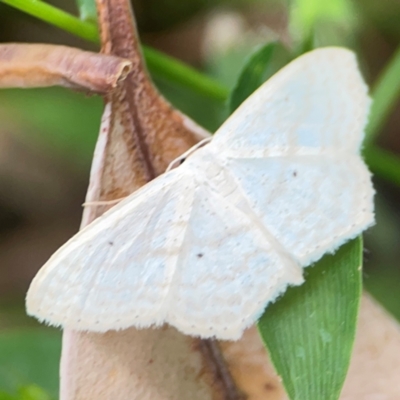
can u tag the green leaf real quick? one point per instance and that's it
(87, 10)
(261, 64)
(310, 331)
(252, 76)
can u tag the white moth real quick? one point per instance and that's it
(206, 246)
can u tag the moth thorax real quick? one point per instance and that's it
(220, 178)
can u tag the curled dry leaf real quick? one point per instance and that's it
(39, 65)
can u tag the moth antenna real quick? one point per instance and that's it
(186, 154)
(102, 202)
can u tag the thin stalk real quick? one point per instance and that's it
(57, 17)
(169, 68)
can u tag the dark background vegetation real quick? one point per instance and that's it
(47, 138)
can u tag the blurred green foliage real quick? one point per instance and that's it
(155, 15)
(29, 392)
(29, 364)
(323, 22)
(87, 10)
(43, 118)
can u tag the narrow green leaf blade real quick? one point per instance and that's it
(252, 75)
(310, 331)
(263, 63)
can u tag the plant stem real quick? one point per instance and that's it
(385, 92)
(57, 17)
(166, 67)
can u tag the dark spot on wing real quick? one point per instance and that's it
(294, 173)
(111, 243)
(200, 255)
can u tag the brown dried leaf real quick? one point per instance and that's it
(38, 65)
(375, 368)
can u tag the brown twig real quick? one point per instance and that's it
(39, 65)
